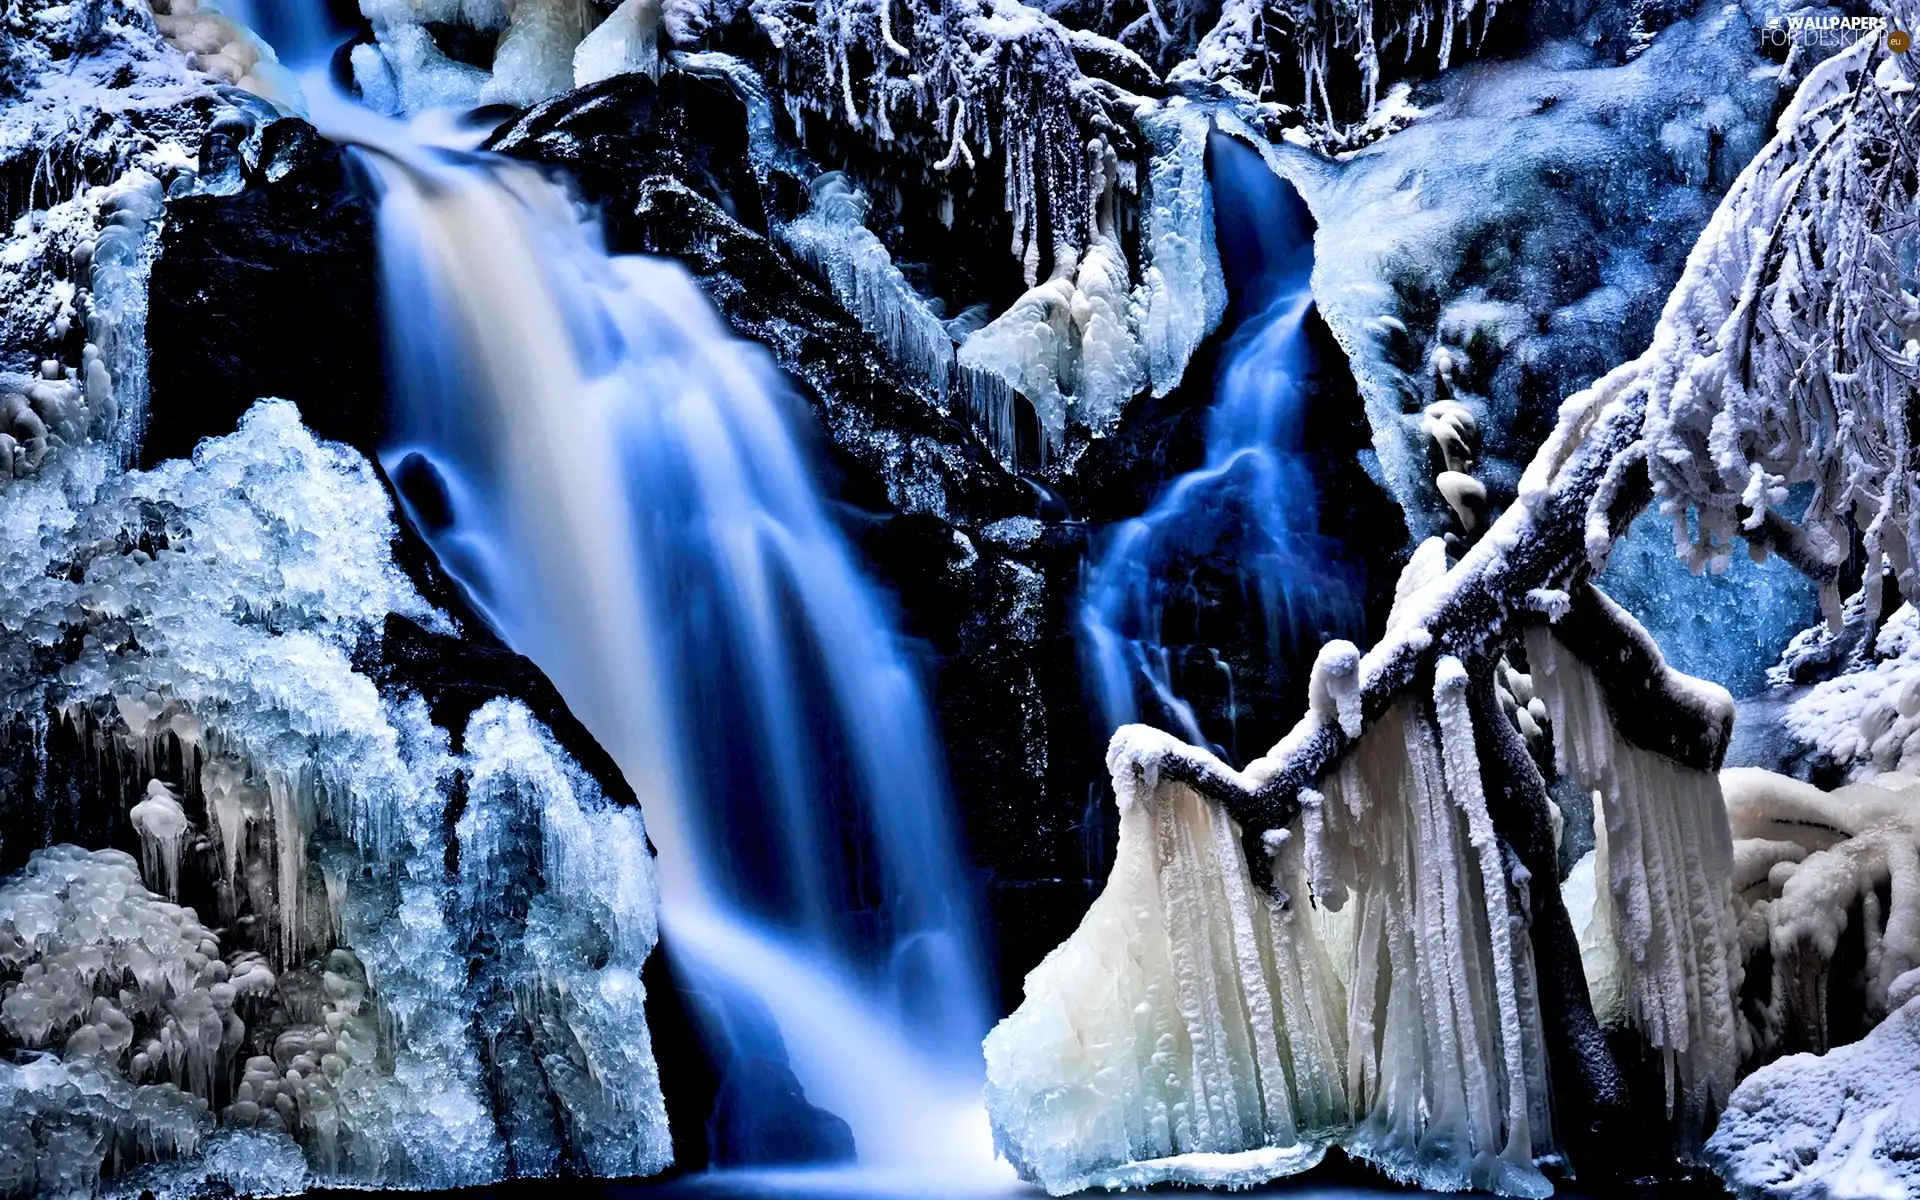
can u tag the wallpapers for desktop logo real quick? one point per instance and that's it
(1831, 29)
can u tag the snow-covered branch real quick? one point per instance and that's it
(1721, 414)
(1799, 365)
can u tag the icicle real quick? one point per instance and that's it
(1189, 1015)
(1443, 1019)
(163, 832)
(1663, 895)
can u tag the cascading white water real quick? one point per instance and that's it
(622, 488)
(299, 32)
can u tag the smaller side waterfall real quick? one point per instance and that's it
(1148, 619)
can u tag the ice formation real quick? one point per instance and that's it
(1069, 345)
(1238, 52)
(1183, 291)
(1663, 909)
(1189, 1016)
(1445, 1031)
(628, 41)
(1814, 869)
(225, 48)
(1846, 1123)
(562, 1000)
(214, 608)
(960, 84)
(105, 236)
(832, 238)
(404, 70)
(1383, 996)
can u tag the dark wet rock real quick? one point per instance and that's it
(271, 291)
(711, 1126)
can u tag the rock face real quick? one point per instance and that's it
(268, 292)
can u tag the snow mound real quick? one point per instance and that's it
(1842, 1124)
(1868, 721)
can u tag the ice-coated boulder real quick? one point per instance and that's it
(1841, 1124)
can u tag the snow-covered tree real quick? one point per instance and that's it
(1403, 833)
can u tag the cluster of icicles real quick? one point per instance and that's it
(145, 1029)
(148, 1028)
(104, 233)
(1384, 998)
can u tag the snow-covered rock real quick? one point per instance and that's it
(1812, 868)
(1517, 240)
(1867, 720)
(1841, 1124)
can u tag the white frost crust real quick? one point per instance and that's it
(1665, 854)
(1804, 859)
(1189, 1030)
(588, 932)
(1845, 1124)
(1868, 721)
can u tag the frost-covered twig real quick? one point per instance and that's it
(953, 84)
(1265, 50)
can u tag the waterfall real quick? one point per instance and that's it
(625, 491)
(1252, 501)
(300, 31)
